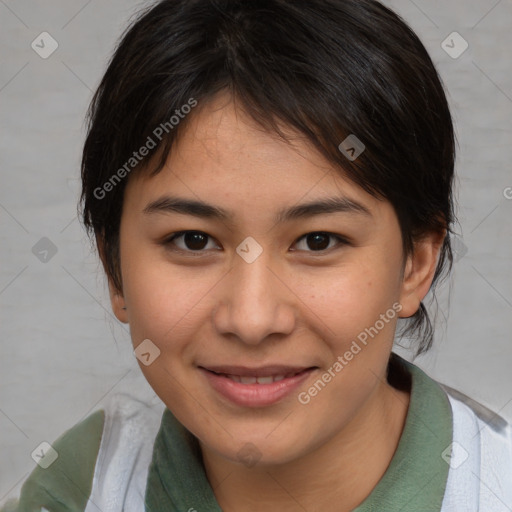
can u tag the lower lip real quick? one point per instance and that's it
(255, 395)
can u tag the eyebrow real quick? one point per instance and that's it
(170, 204)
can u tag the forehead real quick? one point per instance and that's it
(220, 138)
(224, 157)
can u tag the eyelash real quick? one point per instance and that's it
(169, 241)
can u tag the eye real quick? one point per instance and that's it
(197, 241)
(194, 241)
(319, 240)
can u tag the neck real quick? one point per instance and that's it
(319, 480)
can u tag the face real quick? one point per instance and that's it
(249, 294)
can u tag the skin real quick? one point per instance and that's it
(293, 305)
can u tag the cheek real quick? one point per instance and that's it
(350, 298)
(166, 306)
(166, 302)
(358, 323)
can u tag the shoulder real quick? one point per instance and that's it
(126, 451)
(64, 470)
(480, 456)
(71, 467)
(473, 418)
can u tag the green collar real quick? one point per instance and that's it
(414, 481)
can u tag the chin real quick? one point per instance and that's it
(257, 452)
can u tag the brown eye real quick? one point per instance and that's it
(320, 240)
(192, 241)
(195, 240)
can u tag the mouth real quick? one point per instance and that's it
(255, 387)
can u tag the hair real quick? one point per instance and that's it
(325, 68)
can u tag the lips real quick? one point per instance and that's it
(255, 387)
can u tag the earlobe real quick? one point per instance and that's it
(118, 304)
(419, 272)
(116, 296)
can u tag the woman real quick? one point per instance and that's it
(269, 185)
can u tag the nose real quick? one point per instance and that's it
(256, 302)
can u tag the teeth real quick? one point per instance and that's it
(265, 380)
(259, 380)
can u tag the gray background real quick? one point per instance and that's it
(62, 351)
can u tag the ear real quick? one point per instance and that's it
(419, 272)
(116, 296)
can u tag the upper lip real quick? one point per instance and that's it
(262, 371)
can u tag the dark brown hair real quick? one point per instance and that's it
(326, 68)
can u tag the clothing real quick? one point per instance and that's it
(134, 457)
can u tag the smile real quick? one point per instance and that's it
(255, 387)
